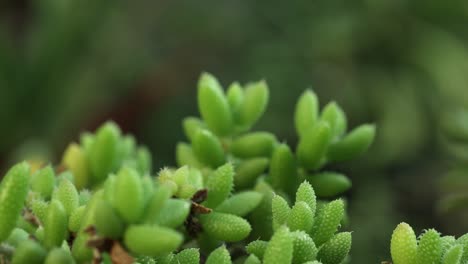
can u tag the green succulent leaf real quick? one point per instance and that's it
(220, 185)
(313, 145)
(59, 255)
(13, 191)
(104, 151)
(283, 169)
(43, 181)
(128, 198)
(305, 193)
(336, 249)
(254, 103)
(257, 248)
(235, 97)
(429, 247)
(300, 217)
(280, 211)
(336, 118)
(248, 171)
(208, 149)
(219, 256)
(329, 184)
(29, 251)
(453, 255)
(304, 247)
(213, 105)
(353, 144)
(74, 221)
(173, 213)
(403, 246)
(191, 126)
(327, 221)
(186, 156)
(75, 159)
(152, 240)
(55, 225)
(241, 203)
(252, 259)
(108, 222)
(67, 194)
(306, 113)
(280, 248)
(188, 256)
(255, 144)
(225, 227)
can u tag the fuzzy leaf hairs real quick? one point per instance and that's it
(429, 247)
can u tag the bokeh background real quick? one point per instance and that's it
(68, 65)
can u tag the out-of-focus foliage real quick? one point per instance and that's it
(453, 186)
(62, 62)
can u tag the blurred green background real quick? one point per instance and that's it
(67, 65)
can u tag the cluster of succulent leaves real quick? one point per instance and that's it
(261, 161)
(429, 247)
(230, 199)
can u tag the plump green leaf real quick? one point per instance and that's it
(353, 144)
(304, 247)
(225, 227)
(59, 255)
(173, 213)
(336, 249)
(208, 149)
(280, 211)
(67, 194)
(336, 118)
(327, 221)
(104, 151)
(213, 105)
(219, 256)
(55, 225)
(429, 247)
(30, 252)
(188, 256)
(306, 113)
(313, 145)
(241, 203)
(43, 181)
(305, 193)
(329, 184)
(254, 103)
(13, 191)
(76, 161)
(280, 248)
(191, 125)
(403, 246)
(257, 248)
(128, 195)
(283, 170)
(220, 185)
(255, 144)
(152, 240)
(300, 217)
(453, 255)
(235, 97)
(248, 171)
(108, 222)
